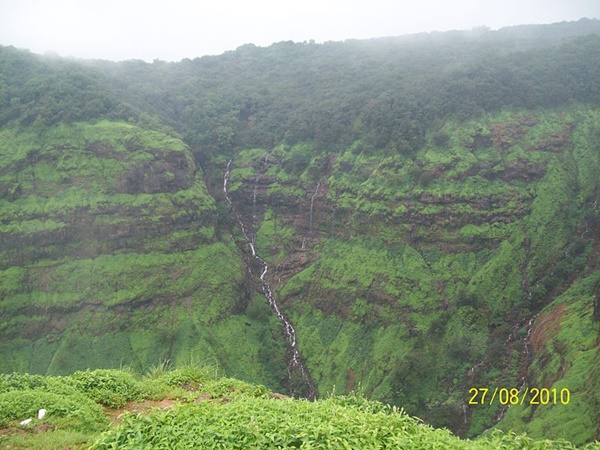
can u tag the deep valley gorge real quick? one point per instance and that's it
(409, 218)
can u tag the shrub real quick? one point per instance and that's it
(79, 412)
(20, 381)
(188, 374)
(113, 388)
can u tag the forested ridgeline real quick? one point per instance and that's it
(389, 91)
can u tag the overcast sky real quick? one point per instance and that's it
(175, 29)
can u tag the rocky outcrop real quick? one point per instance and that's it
(104, 195)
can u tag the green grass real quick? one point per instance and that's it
(78, 186)
(205, 410)
(170, 305)
(415, 285)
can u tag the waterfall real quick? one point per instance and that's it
(312, 202)
(254, 200)
(527, 339)
(254, 194)
(265, 164)
(310, 215)
(239, 219)
(296, 362)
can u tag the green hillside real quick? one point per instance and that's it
(415, 218)
(421, 274)
(110, 256)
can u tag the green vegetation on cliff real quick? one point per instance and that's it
(110, 255)
(427, 205)
(420, 275)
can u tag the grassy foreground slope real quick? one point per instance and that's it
(193, 407)
(110, 256)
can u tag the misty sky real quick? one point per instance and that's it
(176, 29)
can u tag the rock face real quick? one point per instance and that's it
(97, 189)
(108, 255)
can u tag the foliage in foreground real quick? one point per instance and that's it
(333, 423)
(74, 403)
(210, 412)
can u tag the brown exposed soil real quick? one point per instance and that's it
(504, 135)
(545, 326)
(203, 398)
(23, 431)
(277, 396)
(116, 415)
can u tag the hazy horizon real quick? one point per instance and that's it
(179, 29)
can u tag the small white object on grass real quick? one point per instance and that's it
(41, 414)
(25, 422)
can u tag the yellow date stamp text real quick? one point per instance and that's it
(523, 396)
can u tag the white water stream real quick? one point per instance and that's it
(312, 201)
(296, 363)
(310, 215)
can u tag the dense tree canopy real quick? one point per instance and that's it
(388, 91)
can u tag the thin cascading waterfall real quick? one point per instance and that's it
(310, 215)
(526, 349)
(312, 202)
(239, 219)
(265, 163)
(527, 339)
(254, 192)
(254, 215)
(296, 362)
(526, 342)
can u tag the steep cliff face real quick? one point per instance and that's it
(419, 278)
(94, 189)
(110, 256)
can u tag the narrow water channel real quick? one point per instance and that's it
(296, 368)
